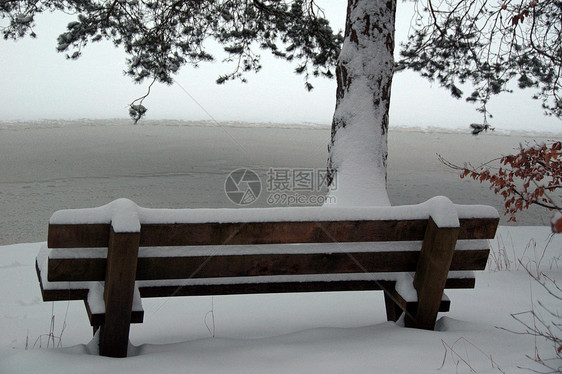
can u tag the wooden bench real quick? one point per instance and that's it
(114, 255)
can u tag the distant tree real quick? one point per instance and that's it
(482, 42)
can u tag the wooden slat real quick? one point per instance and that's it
(469, 260)
(61, 270)
(63, 295)
(283, 287)
(78, 236)
(96, 235)
(459, 283)
(264, 288)
(154, 268)
(281, 232)
(89, 236)
(274, 264)
(478, 228)
(98, 319)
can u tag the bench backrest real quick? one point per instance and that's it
(243, 227)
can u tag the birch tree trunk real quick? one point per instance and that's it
(358, 147)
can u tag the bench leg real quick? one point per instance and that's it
(431, 273)
(118, 293)
(393, 310)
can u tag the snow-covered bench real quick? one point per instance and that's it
(113, 255)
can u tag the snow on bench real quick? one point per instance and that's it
(114, 255)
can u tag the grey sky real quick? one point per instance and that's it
(39, 83)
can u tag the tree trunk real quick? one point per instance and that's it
(358, 148)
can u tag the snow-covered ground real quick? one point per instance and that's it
(294, 333)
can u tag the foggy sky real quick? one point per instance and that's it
(39, 83)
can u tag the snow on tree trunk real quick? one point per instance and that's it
(358, 149)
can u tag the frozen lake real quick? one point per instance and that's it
(47, 166)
